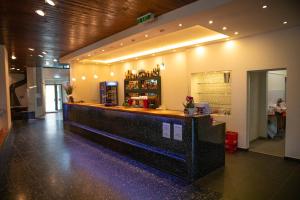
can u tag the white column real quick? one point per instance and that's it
(5, 116)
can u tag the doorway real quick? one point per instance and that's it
(53, 100)
(266, 112)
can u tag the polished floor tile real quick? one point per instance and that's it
(42, 161)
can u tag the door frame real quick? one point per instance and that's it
(55, 94)
(248, 101)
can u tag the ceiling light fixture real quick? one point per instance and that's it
(40, 12)
(211, 22)
(54, 60)
(50, 2)
(44, 52)
(30, 49)
(56, 76)
(180, 25)
(95, 76)
(40, 55)
(121, 44)
(73, 79)
(112, 73)
(224, 28)
(264, 6)
(236, 33)
(18, 69)
(83, 78)
(12, 68)
(13, 57)
(164, 48)
(103, 50)
(285, 22)
(146, 35)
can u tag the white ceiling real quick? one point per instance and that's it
(244, 16)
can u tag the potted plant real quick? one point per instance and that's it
(69, 90)
(189, 106)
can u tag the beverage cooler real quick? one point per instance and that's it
(109, 93)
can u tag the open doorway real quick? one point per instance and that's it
(53, 97)
(267, 111)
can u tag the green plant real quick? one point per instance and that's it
(68, 88)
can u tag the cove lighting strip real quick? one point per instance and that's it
(165, 48)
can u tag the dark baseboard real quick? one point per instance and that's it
(243, 149)
(291, 159)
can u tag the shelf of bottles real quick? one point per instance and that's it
(143, 83)
(213, 88)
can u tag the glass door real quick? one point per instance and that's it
(50, 98)
(59, 97)
(53, 98)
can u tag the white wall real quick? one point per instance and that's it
(257, 101)
(276, 86)
(5, 116)
(273, 50)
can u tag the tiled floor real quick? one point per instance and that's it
(273, 147)
(41, 161)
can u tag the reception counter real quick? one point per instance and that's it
(189, 147)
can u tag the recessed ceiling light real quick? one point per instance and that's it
(264, 6)
(30, 55)
(89, 55)
(56, 76)
(47, 63)
(103, 50)
(146, 35)
(224, 28)
(55, 60)
(13, 57)
(285, 22)
(12, 68)
(18, 69)
(211, 22)
(83, 78)
(44, 52)
(112, 73)
(40, 55)
(30, 49)
(180, 25)
(73, 79)
(236, 33)
(40, 12)
(50, 2)
(121, 43)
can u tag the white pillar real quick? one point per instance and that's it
(5, 115)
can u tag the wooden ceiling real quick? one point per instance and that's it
(68, 26)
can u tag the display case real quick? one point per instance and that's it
(143, 86)
(213, 88)
(109, 93)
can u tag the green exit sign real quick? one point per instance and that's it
(145, 18)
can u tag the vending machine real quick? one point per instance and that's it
(109, 93)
